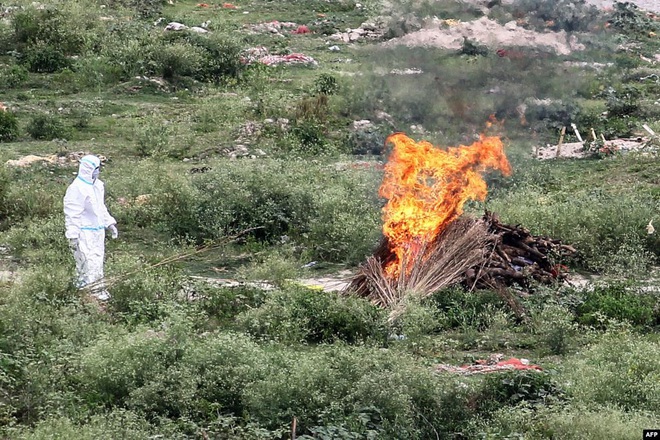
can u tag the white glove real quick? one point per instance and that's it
(114, 233)
(73, 244)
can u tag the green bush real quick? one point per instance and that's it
(214, 58)
(51, 27)
(299, 314)
(326, 84)
(275, 267)
(553, 115)
(8, 126)
(120, 423)
(567, 15)
(607, 229)
(620, 302)
(13, 76)
(141, 294)
(269, 196)
(555, 324)
(358, 391)
(153, 136)
(47, 127)
(623, 102)
(223, 304)
(39, 240)
(42, 58)
(630, 19)
(177, 60)
(226, 364)
(139, 370)
(513, 388)
(622, 370)
(573, 422)
(461, 309)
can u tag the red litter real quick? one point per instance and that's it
(302, 29)
(492, 365)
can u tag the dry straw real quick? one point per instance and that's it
(440, 263)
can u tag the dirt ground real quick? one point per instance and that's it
(449, 34)
(649, 5)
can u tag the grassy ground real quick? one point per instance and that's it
(200, 146)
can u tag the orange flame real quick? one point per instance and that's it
(426, 188)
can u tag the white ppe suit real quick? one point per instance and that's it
(86, 218)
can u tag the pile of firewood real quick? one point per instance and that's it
(476, 253)
(518, 257)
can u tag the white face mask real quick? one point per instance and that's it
(95, 174)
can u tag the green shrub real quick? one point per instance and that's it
(215, 57)
(623, 102)
(341, 229)
(621, 370)
(359, 390)
(140, 294)
(299, 314)
(620, 302)
(8, 126)
(461, 309)
(226, 364)
(51, 27)
(573, 422)
(13, 76)
(47, 127)
(513, 388)
(567, 15)
(366, 141)
(119, 423)
(178, 60)
(267, 195)
(223, 304)
(553, 115)
(42, 58)
(554, 323)
(153, 136)
(326, 84)
(630, 19)
(275, 267)
(138, 369)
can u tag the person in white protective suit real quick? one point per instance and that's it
(86, 218)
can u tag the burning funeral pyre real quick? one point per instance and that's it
(428, 245)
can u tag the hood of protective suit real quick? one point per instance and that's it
(86, 169)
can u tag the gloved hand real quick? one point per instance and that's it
(114, 233)
(73, 244)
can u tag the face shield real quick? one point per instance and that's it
(95, 173)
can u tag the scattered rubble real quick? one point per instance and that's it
(439, 33)
(409, 71)
(261, 55)
(493, 364)
(274, 27)
(579, 150)
(176, 26)
(362, 124)
(140, 200)
(62, 160)
(367, 31)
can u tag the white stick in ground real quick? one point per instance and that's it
(577, 133)
(647, 128)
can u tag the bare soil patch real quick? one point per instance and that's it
(450, 35)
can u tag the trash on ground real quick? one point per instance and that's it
(63, 160)
(493, 364)
(261, 55)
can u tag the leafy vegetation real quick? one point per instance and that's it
(262, 175)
